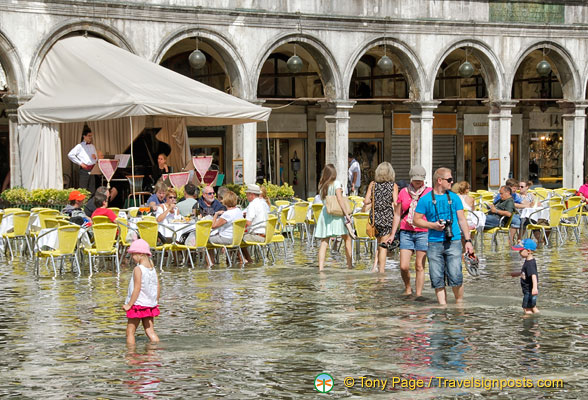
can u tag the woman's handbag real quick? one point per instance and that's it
(333, 206)
(371, 227)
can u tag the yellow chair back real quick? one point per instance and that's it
(238, 231)
(51, 223)
(555, 212)
(37, 209)
(47, 213)
(573, 206)
(300, 210)
(541, 192)
(115, 210)
(149, 218)
(554, 200)
(11, 210)
(123, 231)
(100, 219)
(284, 218)
(202, 232)
(273, 208)
(270, 228)
(104, 236)
(282, 203)
(148, 232)
(68, 238)
(310, 199)
(360, 222)
(316, 211)
(20, 219)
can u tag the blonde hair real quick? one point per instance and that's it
(438, 173)
(384, 173)
(328, 176)
(462, 187)
(160, 187)
(264, 195)
(171, 191)
(230, 199)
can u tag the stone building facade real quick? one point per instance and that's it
(505, 119)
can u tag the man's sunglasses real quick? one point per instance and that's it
(449, 180)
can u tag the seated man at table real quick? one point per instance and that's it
(256, 215)
(207, 205)
(185, 206)
(504, 207)
(157, 198)
(101, 202)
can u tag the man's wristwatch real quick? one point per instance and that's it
(468, 240)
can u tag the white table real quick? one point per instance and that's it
(534, 213)
(48, 238)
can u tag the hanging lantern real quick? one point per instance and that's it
(197, 59)
(543, 68)
(294, 64)
(385, 64)
(466, 70)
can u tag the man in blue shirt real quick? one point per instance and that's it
(446, 222)
(207, 204)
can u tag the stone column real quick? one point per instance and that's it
(525, 145)
(311, 176)
(499, 126)
(337, 136)
(574, 124)
(460, 147)
(388, 113)
(245, 147)
(421, 135)
(12, 103)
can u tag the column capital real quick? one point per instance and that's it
(14, 101)
(499, 106)
(333, 106)
(417, 107)
(387, 109)
(571, 107)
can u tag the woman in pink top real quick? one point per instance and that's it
(583, 191)
(412, 239)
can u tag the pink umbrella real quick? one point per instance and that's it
(202, 163)
(107, 167)
(179, 179)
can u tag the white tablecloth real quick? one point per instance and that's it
(477, 219)
(537, 213)
(48, 238)
(165, 229)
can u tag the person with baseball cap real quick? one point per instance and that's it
(529, 275)
(76, 200)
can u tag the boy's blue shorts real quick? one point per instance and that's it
(529, 301)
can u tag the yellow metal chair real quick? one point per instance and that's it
(503, 227)
(149, 218)
(100, 219)
(299, 220)
(202, 234)
(11, 210)
(316, 213)
(19, 233)
(572, 217)
(282, 203)
(37, 209)
(46, 213)
(148, 232)
(360, 222)
(123, 232)
(555, 212)
(270, 228)
(68, 237)
(105, 244)
(115, 210)
(238, 232)
(473, 231)
(51, 223)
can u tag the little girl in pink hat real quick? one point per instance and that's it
(143, 294)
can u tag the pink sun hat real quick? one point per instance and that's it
(139, 246)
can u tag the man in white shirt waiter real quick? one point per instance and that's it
(256, 215)
(84, 154)
(354, 175)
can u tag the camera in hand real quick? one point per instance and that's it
(390, 245)
(447, 229)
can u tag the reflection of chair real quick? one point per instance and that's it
(270, 228)
(360, 222)
(555, 212)
(238, 232)
(20, 221)
(105, 244)
(67, 236)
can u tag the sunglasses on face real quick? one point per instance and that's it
(449, 180)
(172, 197)
(209, 193)
(522, 187)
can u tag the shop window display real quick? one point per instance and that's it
(546, 164)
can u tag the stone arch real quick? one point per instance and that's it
(568, 73)
(492, 68)
(233, 62)
(106, 32)
(415, 74)
(328, 69)
(12, 66)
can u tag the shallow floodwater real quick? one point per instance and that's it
(267, 332)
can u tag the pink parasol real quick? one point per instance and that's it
(202, 163)
(179, 179)
(107, 167)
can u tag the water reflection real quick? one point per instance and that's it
(268, 331)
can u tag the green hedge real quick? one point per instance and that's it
(26, 199)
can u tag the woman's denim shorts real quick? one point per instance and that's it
(413, 240)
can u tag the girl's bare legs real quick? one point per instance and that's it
(149, 329)
(348, 246)
(419, 266)
(132, 325)
(405, 256)
(322, 253)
